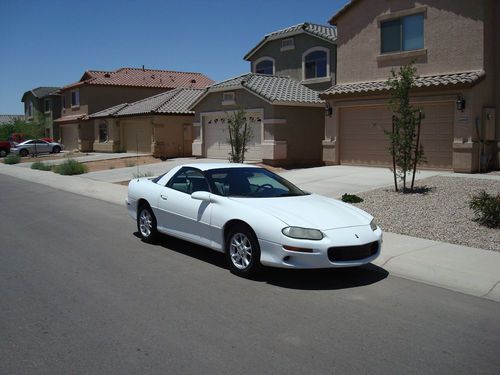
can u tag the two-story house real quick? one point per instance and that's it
(454, 46)
(98, 90)
(43, 105)
(280, 98)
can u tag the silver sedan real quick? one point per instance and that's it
(36, 146)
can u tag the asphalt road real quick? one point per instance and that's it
(81, 294)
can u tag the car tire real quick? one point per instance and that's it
(56, 149)
(146, 224)
(3, 153)
(23, 152)
(242, 251)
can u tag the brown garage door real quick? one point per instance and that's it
(363, 142)
(138, 137)
(69, 136)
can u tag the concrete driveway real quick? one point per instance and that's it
(333, 181)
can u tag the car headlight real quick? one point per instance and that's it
(373, 225)
(303, 233)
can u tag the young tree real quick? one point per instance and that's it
(404, 137)
(240, 133)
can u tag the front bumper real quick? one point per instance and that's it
(275, 255)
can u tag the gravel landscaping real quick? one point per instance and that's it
(439, 213)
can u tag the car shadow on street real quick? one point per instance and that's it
(314, 279)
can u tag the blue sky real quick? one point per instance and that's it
(53, 42)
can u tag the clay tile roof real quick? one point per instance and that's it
(178, 101)
(328, 33)
(41, 92)
(138, 77)
(274, 89)
(446, 80)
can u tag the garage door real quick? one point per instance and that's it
(216, 137)
(69, 136)
(363, 142)
(138, 137)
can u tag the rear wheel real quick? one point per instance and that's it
(146, 224)
(243, 251)
(3, 153)
(24, 152)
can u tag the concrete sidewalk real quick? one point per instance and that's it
(464, 269)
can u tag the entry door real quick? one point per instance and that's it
(188, 140)
(182, 215)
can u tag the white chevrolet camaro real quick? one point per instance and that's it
(253, 216)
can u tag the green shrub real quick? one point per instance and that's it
(70, 167)
(12, 159)
(40, 165)
(351, 198)
(144, 174)
(487, 209)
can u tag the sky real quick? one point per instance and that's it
(53, 42)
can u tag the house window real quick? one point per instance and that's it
(29, 109)
(103, 133)
(47, 105)
(265, 67)
(316, 64)
(402, 34)
(75, 98)
(287, 44)
(228, 98)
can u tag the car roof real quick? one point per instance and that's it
(209, 166)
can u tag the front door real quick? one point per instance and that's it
(182, 215)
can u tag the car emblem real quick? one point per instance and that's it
(356, 235)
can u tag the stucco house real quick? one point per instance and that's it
(43, 105)
(98, 90)
(454, 45)
(161, 124)
(280, 97)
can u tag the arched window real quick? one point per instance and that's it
(316, 63)
(264, 66)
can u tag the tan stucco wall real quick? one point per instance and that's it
(453, 37)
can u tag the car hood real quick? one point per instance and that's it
(310, 211)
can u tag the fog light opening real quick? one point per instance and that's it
(286, 259)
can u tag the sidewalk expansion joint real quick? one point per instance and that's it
(491, 289)
(408, 252)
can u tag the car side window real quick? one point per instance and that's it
(188, 180)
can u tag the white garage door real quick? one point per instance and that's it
(69, 136)
(363, 142)
(216, 137)
(138, 137)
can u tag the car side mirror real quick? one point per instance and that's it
(201, 196)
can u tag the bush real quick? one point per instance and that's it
(351, 198)
(70, 167)
(487, 209)
(12, 159)
(143, 174)
(41, 166)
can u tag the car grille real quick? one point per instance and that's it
(347, 253)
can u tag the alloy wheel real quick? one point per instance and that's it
(145, 223)
(240, 250)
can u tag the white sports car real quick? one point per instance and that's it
(254, 216)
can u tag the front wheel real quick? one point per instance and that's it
(146, 224)
(243, 251)
(24, 152)
(56, 149)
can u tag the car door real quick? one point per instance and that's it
(42, 146)
(181, 215)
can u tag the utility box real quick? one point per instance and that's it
(489, 123)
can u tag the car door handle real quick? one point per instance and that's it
(164, 197)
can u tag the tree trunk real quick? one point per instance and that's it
(417, 147)
(394, 157)
(231, 141)
(244, 142)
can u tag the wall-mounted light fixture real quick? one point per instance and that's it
(328, 110)
(460, 103)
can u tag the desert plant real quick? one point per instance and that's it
(240, 133)
(12, 159)
(129, 163)
(70, 167)
(404, 137)
(351, 198)
(486, 207)
(143, 174)
(40, 165)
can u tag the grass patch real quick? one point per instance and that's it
(130, 163)
(12, 159)
(487, 209)
(143, 174)
(351, 198)
(41, 166)
(70, 167)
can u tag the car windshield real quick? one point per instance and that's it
(250, 182)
